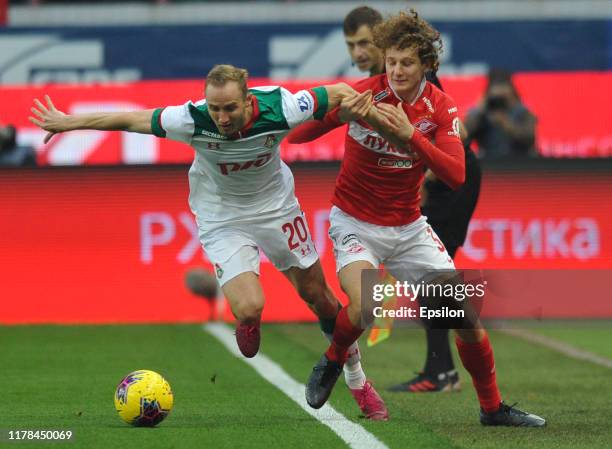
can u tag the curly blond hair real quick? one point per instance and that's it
(407, 30)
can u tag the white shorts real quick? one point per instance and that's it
(285, 239)
(408, 252)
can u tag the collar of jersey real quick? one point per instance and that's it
(418, 95)
(243, 132)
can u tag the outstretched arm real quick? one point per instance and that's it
(309, 131)
(337, 92)
(55, 121)
(353, 106)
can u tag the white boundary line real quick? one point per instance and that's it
(351, 433)
(558, 346)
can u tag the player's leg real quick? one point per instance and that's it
(421, 255)
(314, 290)
(288, 244)
(439, 365)
(350, 322)
(246, 299)
(452, 229)
(353, 254)
(312, 287)
(346, 333)
(449, 213)
(439, 373)
(310, 284)
(232, 249)
(476, 353)
(238, 277)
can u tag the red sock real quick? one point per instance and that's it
(478, 359)
(345, 334)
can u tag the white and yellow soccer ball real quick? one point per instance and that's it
(143, 398)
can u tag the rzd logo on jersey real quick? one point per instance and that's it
(228, 167)
(394, 163)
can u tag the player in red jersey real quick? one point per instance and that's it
(447, 211)
(376, 217)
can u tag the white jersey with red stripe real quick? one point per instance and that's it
(379, 183)
(241, 176)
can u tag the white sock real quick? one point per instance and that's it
(353, 372)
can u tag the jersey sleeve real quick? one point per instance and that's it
(304, 105)
(173, 122)
(446, 158)
(309, 131)
(447, 117)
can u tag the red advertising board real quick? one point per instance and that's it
(549, 95)
(104, 245)
(3, 12)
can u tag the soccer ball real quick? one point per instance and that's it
(143, 398)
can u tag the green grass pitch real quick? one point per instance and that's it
(63, 377)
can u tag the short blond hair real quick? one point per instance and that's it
(221, 74)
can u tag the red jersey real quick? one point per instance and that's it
(379, 183)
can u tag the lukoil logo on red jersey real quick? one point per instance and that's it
(380, 145)
(227, 167)
(373, 141)
(394, 163)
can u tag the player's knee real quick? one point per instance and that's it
(360, 317)
(354, 295)
(366, 312)
(248, 311)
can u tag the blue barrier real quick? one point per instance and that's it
(37, 55)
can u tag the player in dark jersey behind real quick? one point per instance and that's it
(449, 213)
(376, 217)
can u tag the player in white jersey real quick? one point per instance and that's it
(242, 194)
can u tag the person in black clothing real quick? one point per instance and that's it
(448, 212)
(501, 124)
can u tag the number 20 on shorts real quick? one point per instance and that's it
(297, 232)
